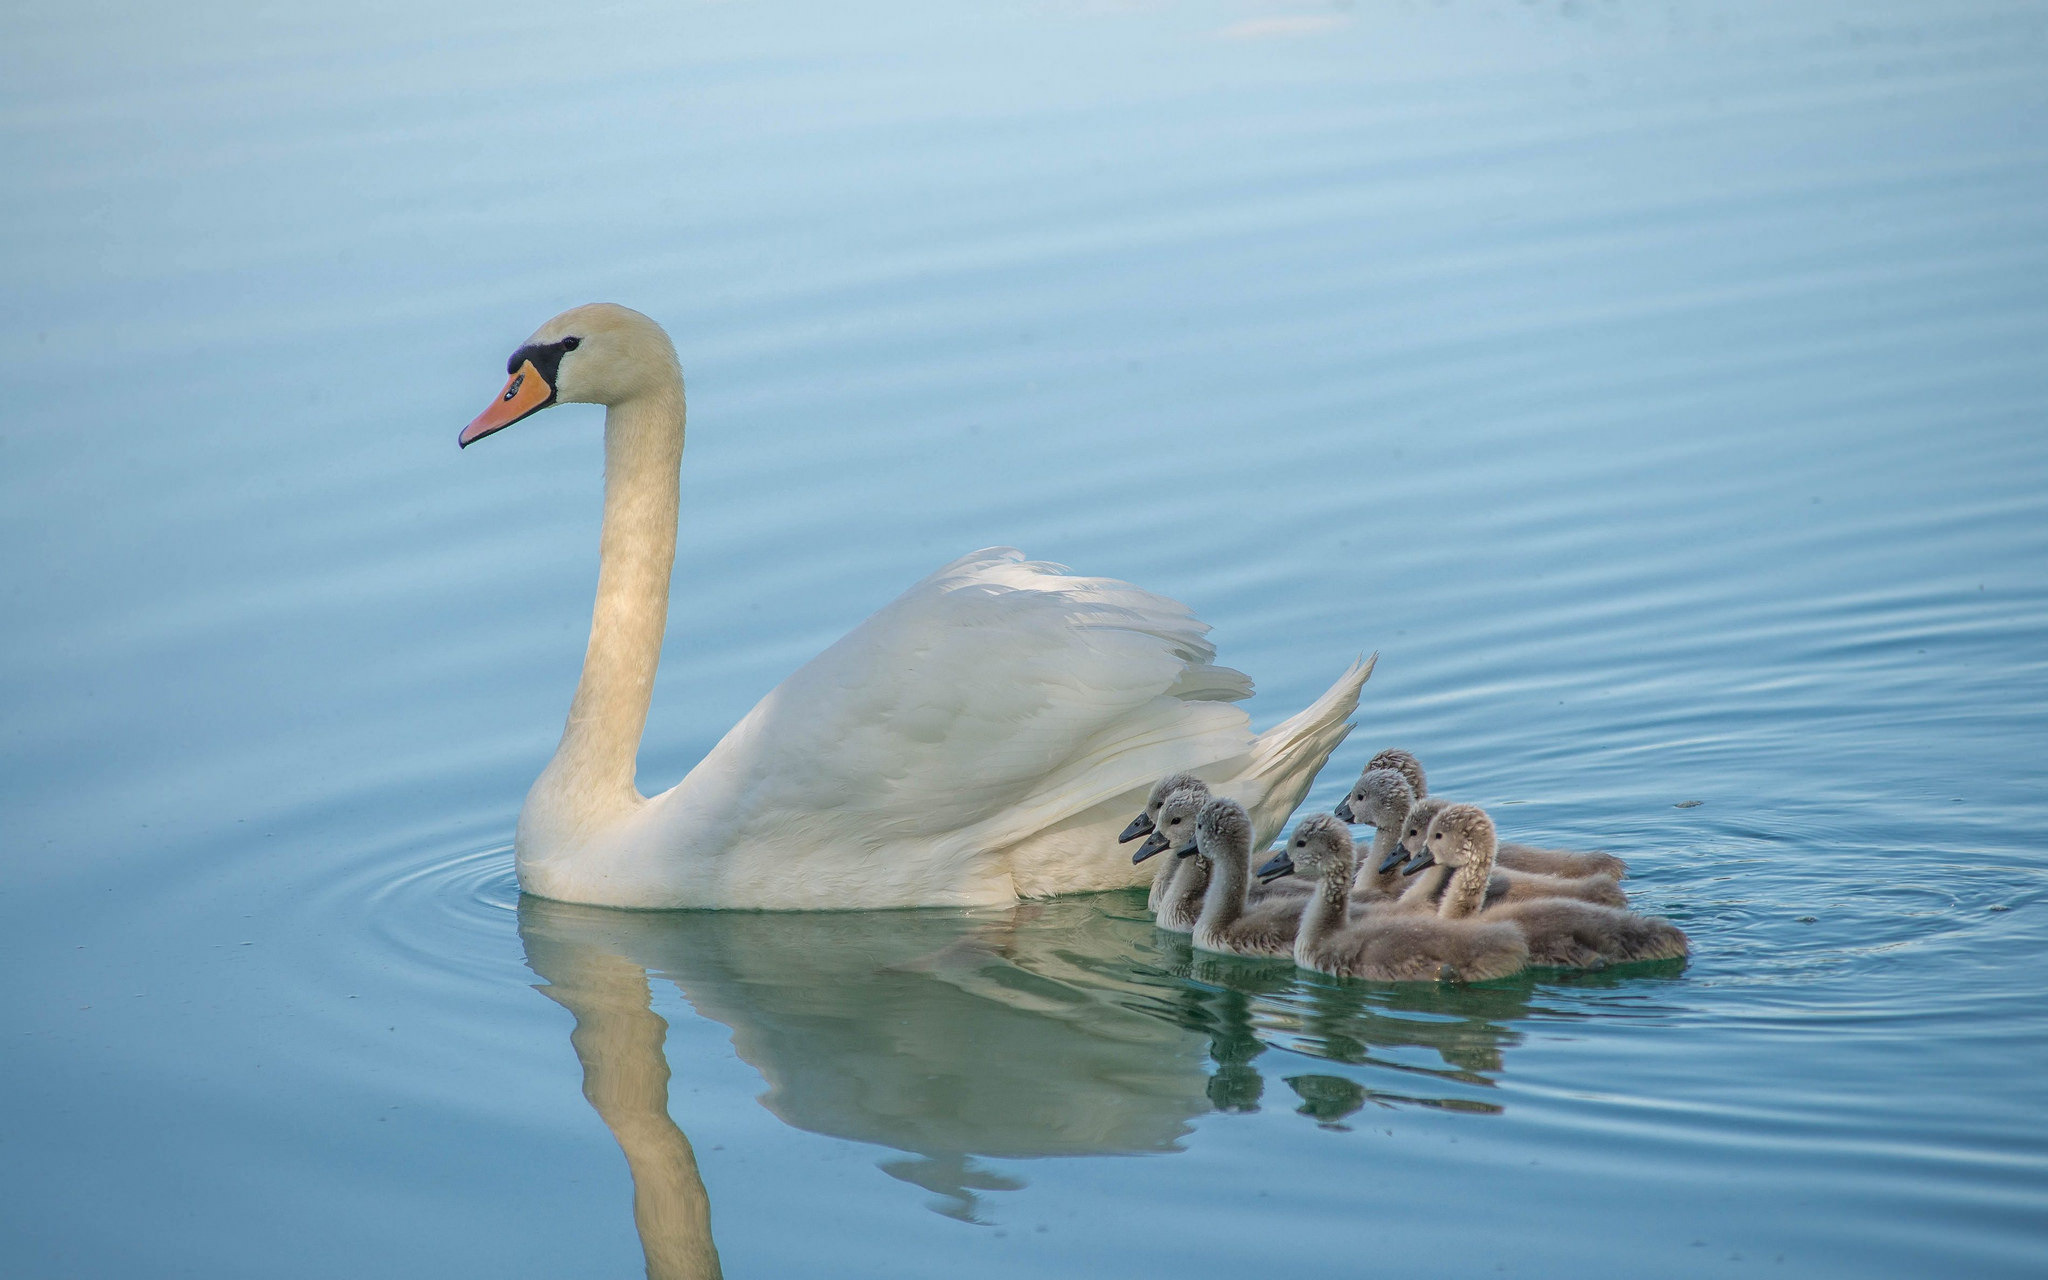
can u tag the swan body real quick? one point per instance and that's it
(1561, 932)
(975, 741)
(1385, 946)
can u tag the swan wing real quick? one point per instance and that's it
(991, 700)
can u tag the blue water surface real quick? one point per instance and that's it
(1662, 390)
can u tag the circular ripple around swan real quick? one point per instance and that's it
(406, 932)
(433, 913)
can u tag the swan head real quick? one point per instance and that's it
(1175, 823)
(1148, 818)
(1380, 798)
(600, 353)
(1223, 830)
(1320, 845)
(1405, 764)
(1415, 831)
(1461, 836)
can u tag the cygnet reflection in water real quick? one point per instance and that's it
(1056, 1029)
(1248, 1006)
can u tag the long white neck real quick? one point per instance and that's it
(590, 781)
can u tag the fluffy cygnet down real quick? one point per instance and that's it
(1380, 799)
(1561, 932)
(1147, 822)
(1405, 764)
(1228, 923)
(1379, 945)
(1383, 798)
(1523, 858)
(1183, 880)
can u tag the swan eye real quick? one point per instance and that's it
(570, 344)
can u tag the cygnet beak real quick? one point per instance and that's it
(1188, 852)
(1280, 864)
(1140, 825)
(1394, 859)
(1423, 859)
(1156, 844)
(1344, 810)
(526, 393)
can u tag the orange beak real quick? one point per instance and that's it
(525, 393)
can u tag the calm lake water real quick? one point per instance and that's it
(1661, 390)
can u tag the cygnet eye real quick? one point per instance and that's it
(1301, 844)
(1173, 822)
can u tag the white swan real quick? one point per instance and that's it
(978, 740)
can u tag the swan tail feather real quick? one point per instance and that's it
(1286, 758)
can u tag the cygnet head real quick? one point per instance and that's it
(1461, 834)
(1223, 831)
(1320, 844)
(1175, 828)
(601, 353)
(1148, 818)
(1416, 829)
(1380, 798)
(1405, 764)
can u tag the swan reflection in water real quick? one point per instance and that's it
(1063, 1028)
